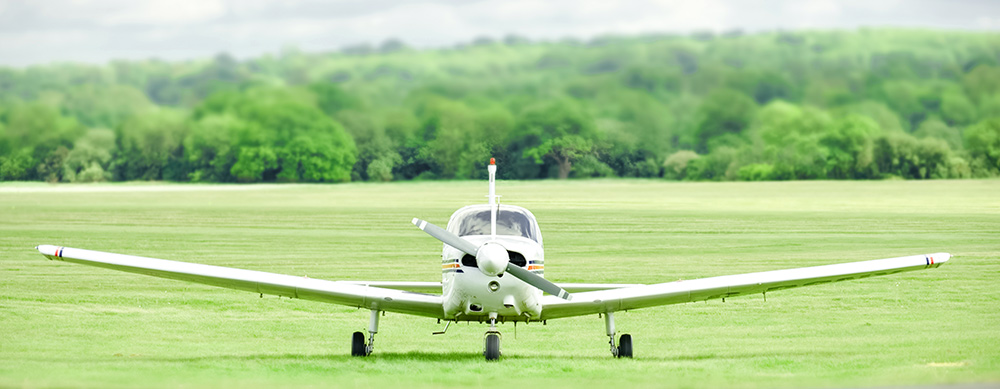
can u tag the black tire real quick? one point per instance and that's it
(358, 346)
(625, 346)
(492, 352)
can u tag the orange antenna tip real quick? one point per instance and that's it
(493, 161)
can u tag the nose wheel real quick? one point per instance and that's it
(491, 344)
(492, 348)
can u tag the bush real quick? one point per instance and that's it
(676, 165)
(757, 172)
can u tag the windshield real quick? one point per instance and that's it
(508, 223)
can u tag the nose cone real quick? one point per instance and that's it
(492, 259)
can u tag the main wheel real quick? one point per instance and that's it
(625, 346)
(492, 351)
(358, 346)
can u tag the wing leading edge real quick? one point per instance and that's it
(335, 292)
(726, 286)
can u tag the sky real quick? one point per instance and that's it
(97, 31)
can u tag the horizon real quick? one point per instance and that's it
(373, 48)
(103, 31)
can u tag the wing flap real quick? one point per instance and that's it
(585, 287)
(343, 293)
(411, 286)
(733, 285)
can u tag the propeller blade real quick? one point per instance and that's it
(446, 237)
(537, 281)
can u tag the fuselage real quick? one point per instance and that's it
(471, 294)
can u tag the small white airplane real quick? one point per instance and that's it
(492, 271)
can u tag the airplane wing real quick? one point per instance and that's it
(677, 292)
(335, 292)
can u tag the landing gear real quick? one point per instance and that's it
(358, 346)
(491, 347)
(624, 347)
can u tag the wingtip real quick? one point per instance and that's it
(46, 249)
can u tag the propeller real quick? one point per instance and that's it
(492, 259)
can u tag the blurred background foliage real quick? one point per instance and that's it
(864, 104)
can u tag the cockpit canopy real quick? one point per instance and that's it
(511, 221)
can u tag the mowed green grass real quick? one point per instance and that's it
(63, 324)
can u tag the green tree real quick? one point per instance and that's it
(331, 98)
(104, 106)
(455, 141)
(903, 97)
(957, 110)
(850, 147)
(317, 158)
(723, 112)
(983, 142)
(209, 148)
(982, 81)
(676, 165)
(789, 138)
(558, 131)
(935, 128)
(271, 134)
(255, 164)
(34, 142)
(151, 146)
(902, 155)
(440, 113)
(88, 160)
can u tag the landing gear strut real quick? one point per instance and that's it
(624, 347)
(491, 347)
(358, 346)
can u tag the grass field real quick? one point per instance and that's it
(69, 325)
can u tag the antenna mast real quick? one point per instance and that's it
(493, 197)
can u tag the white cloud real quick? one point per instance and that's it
(164, 12)
(988, 23)
(814, 8)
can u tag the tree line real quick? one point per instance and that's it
(864, 104)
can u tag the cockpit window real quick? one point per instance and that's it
(508, 223)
